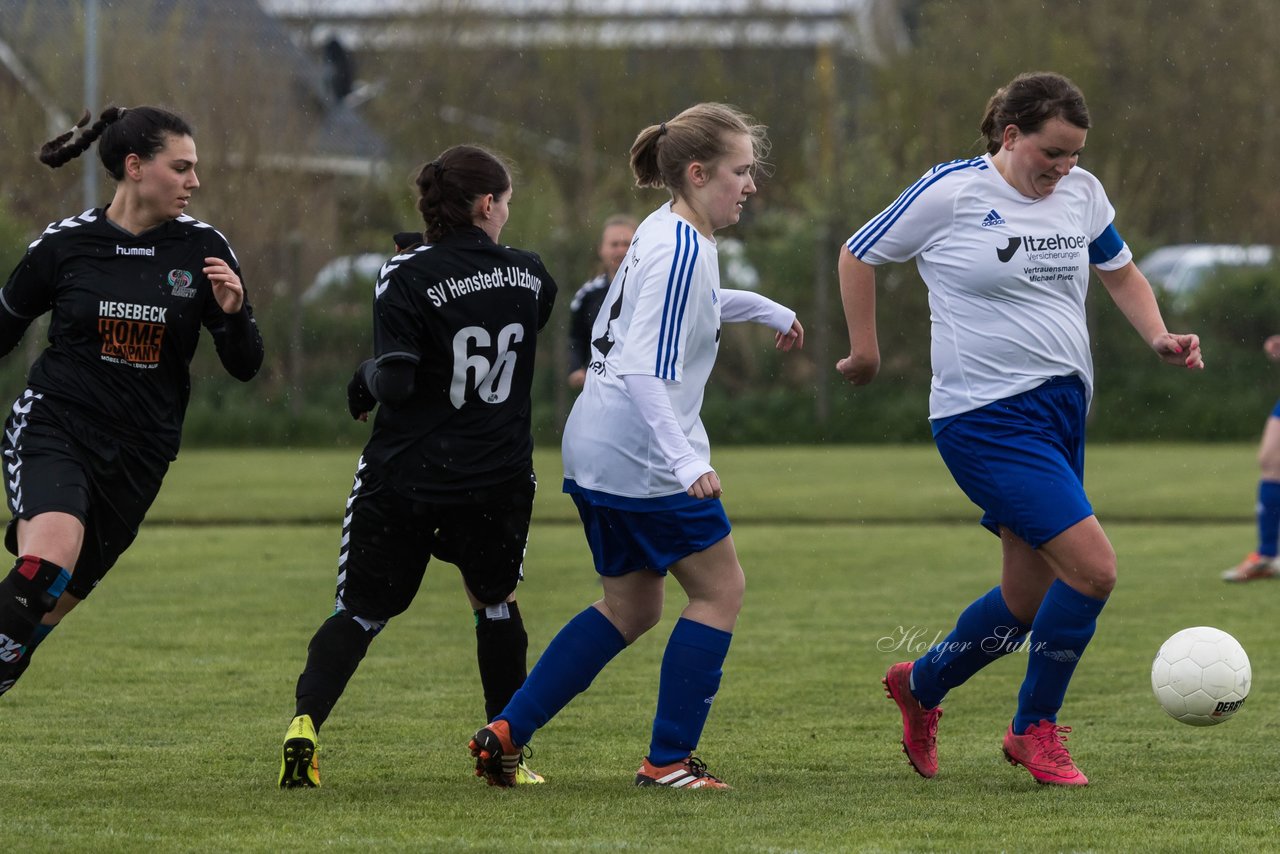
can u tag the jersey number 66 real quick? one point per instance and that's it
(472, 347)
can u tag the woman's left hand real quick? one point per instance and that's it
(1179, 349)
(794, 337)
(227, 289)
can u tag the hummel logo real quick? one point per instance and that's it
(992, 218)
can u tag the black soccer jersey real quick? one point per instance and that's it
(582, 316)
(127, 311)
(466, 311)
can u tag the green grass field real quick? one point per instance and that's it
(151, 720)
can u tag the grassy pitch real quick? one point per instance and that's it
(152, 719)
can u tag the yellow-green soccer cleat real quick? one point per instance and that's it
(300, 758)
(526, 776)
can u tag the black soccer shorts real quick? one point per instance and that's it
(68, 466)
(388, 541)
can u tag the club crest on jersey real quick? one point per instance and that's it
(180, 281)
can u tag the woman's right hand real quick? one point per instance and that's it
(859, 368)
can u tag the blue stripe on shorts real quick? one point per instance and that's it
(624, 541)
(1021, 459)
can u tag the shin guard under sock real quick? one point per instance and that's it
(11, 673)
(1062, 629)
(27, 593)
(986, 630)
(501, 648)
(691, 669)
(575, 656)
(333, 655)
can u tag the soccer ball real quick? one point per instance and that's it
(1201, 676)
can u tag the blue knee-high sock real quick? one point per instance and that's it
(1060, 632)
(690, 676)
(566, 668)
(986, 630)
(1268, 517)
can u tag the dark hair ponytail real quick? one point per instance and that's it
(1028, 101)
(119, 132)
(449, 185)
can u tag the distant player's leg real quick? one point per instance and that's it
(1261, 562)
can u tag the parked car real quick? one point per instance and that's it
(1180, 269)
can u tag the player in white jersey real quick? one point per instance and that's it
(637, 461)
(1005, 242)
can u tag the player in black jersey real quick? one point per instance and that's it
(88, 442)
(615, 240)
(448, 469)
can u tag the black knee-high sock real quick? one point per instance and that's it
(10, 673)
(501, 647)
(333, 655)
(29, 591)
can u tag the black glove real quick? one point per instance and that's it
(359, 398)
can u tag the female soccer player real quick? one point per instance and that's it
(88, 443)
(448, 469)
(1004, 242)
(637, 459)
(615, 240)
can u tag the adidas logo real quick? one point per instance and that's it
(1063, 656)
(992, 218)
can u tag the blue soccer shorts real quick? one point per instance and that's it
(628, 540)
(1021, 459)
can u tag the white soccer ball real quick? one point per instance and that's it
(1201, 676)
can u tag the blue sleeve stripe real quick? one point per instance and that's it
(677, 297)
(1106, 246)
(684, 302)
(867, 236)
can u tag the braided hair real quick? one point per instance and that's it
(449, 185)
(119, 132)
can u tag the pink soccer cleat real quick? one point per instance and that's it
(919, 725)
(1041, 751)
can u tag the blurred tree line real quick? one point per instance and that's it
(1183, 139)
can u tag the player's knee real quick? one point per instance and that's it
(32, 588)
(344, 635)
(493, 591)
(1101, 578)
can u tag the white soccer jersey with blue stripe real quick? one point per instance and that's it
(662, 318)
(1007, 276)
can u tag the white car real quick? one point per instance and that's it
(1178, 270)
